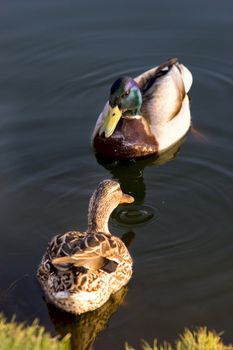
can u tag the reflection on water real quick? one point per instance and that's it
(130, 173)
(85, 328)
(128, 237)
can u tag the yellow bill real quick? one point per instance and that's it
(111, 121)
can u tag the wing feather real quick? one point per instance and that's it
(93, 252)
(163, 92)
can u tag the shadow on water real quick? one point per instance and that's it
(130, 173)
(85, 328)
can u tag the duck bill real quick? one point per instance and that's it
(111, 121)
(126, 198)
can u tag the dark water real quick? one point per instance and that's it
(57, 61)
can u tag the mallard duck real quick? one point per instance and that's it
(146, 115)
(80, 270)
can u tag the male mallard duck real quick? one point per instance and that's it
(80, 270)
(145, 115)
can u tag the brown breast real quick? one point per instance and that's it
(131, 139)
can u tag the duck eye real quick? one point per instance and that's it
(126, 93)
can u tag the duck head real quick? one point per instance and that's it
(125, 99)
(104, 200)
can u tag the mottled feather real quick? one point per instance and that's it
(80, 270)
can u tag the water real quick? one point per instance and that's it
(57, 63)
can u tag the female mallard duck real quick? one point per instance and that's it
(80, 270)
(145, 115)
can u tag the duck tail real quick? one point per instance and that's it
(187, 77)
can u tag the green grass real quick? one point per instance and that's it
(201, 339)
(14, 336)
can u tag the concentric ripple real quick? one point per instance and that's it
(130, 215)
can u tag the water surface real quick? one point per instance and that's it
(57, 62)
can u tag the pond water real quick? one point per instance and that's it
(58, 60)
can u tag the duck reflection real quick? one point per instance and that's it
(85, 328)
(130, 173)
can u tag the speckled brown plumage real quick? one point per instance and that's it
(80, 270)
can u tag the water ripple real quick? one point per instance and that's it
(134, 215)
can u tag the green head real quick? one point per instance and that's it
(125, 98)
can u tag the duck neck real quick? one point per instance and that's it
(99, 212)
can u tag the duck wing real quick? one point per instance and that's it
(163, 90)
(95, 251)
